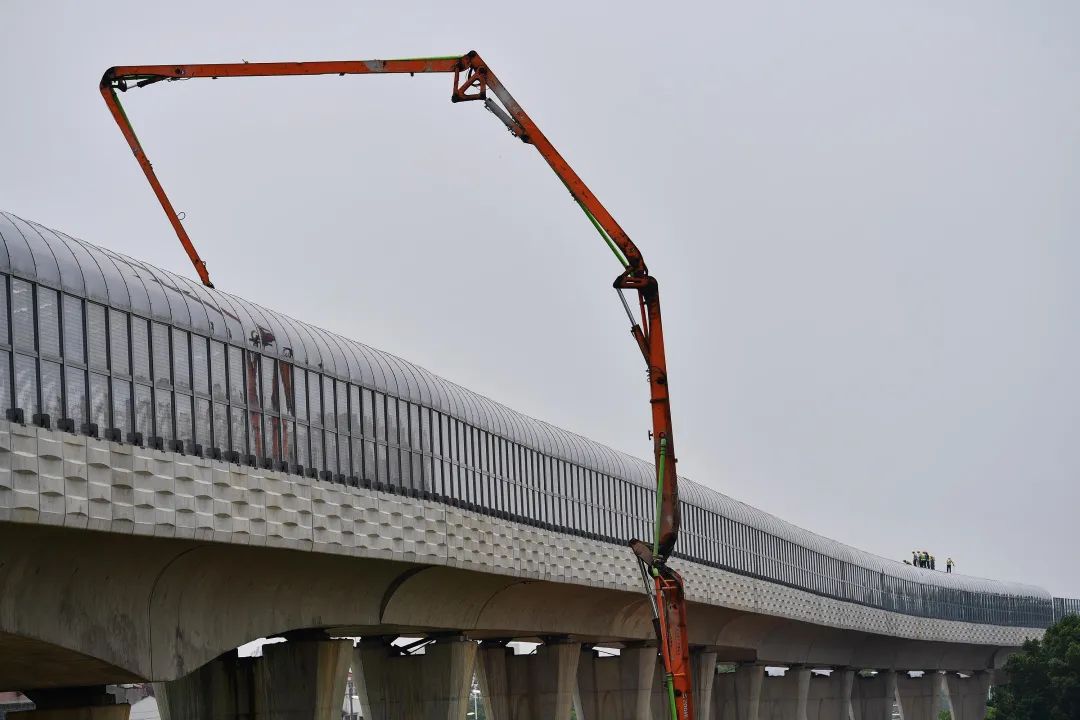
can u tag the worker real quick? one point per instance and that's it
(933, 563)
(924, 559)
(949, 565)
(914, 558)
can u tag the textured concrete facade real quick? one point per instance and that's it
(222, 554)
(55, 478)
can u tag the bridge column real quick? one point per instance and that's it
(295, 680)
(617, 687)
(79, 703)
(703, 667)
(921, 698)
(435, 685)
(786, 696)
(491, 671)
(830, 697)
(703, 674)
(968, 695)
(873, 696)
(540, 686)
(737, 695)
(303, 679)
(222, 689)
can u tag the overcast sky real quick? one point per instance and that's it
(863, 217)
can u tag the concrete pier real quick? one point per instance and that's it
(785, 697)
(737, 695)
(703, 666)
(432, 685)
(872, 696)
(829, 697)
(295, 680)
(617, 687)
(303, 679)
(223, 689)
(540, 686)
(968, 695)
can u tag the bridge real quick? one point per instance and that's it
(183, 471)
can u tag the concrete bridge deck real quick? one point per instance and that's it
(153, 563)
(183, 471)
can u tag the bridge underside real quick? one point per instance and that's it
(30, 663)
(86, 607)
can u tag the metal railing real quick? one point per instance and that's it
(1066, 606)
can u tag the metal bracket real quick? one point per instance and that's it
(473, 87)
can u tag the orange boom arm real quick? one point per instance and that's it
(474, 81)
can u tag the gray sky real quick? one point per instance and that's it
(863, 217)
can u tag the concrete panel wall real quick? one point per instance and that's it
(51, 477)
(221, 554)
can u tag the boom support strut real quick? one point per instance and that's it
(473, 80)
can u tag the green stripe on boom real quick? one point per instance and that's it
(123, 113)
(659, 496)
(603, 233)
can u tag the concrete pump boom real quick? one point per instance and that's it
(474, 81)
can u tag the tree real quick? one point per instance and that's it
(1044, 677)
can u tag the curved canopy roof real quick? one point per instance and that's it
(55, 259)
